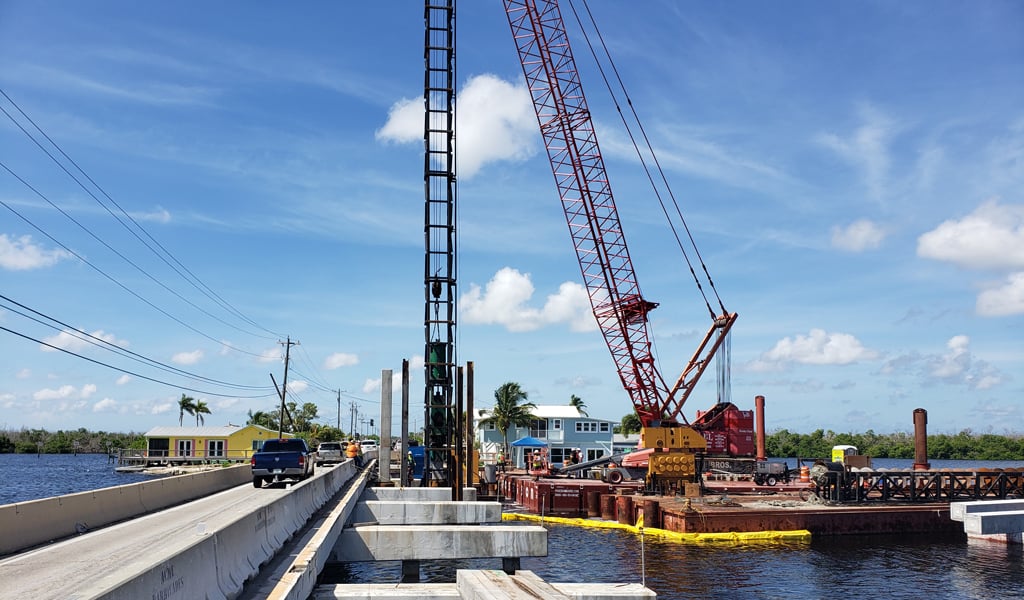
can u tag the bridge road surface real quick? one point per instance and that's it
(87, 565)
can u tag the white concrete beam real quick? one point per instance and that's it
(426, 513)
(958, 510)
(431, 542)
(498, 585)
(416, 494)
(990, 523)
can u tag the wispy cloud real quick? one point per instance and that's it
(867, 148)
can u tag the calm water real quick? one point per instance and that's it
(837, 567)
(828, 568)
(841, 567)
(32, 476)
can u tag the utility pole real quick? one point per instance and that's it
(339, 410)
(284, 387)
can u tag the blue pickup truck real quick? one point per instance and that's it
(282, 459)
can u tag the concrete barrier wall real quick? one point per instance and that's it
(29, 524)
(219, 564)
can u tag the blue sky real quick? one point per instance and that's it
(851, 173)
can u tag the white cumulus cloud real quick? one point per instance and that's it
(858, 236)
(272, 355)
(76, 342)
(504, 301)
(818, 347)
(495, 123)
(20, 254)
(340, 359)
(105, 405)
(991, 237)
(1003, 300)
(187, 358)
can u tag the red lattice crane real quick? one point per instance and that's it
(586, 195)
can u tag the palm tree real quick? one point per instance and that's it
(201, 409)
(578, 403)
(187, 404)
(510, 408)
(630, 423)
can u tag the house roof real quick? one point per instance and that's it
(224, 431)
(552, 411)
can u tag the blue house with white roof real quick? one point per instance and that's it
(562, 427)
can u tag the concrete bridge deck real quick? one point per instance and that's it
(265, 543)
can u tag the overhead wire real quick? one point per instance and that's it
(109, 346)
(111, 278)
(191, 278)
(125, 371)
(641, 156)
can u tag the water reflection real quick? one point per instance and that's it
(841, 566)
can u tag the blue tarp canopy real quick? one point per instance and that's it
(529, 442)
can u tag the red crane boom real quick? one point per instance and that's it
(586, 195)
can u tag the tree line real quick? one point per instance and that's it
(965, 445)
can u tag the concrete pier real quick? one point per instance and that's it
(997, 520)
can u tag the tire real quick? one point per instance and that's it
(614, 477)
(772, 480)
(257, 482)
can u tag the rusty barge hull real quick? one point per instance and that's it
(734, 509)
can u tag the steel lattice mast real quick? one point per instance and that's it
(439, 229)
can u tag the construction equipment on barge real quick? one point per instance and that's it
(618, 305)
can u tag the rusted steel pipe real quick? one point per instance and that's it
(759, 416)
(624, 510)
(593, 504)
(921, 440)
(608, 507)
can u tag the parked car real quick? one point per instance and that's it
(367, 445)
(329, 452)
(281, 459)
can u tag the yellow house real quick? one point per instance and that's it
(231, 442)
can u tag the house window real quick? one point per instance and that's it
(586, 426)
(184, 447)
(159, 446)
(256, 445)
(489, 426)
(539, 428)
(604, 427)
(594, 453)
(558, 454)
(215, 448)
(556, 424)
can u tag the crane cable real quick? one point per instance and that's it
(653, 155)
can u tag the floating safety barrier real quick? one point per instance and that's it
(733, 537)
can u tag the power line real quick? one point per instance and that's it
(191, 278)
(127, 372)
(104, 273)
(106, 345)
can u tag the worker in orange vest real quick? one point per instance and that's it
(354, 452)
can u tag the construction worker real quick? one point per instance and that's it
(353, 452)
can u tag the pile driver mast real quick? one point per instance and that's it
(583, 187)
(440, 421)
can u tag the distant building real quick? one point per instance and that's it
(562, 427)
(625, 443)
(231, 442)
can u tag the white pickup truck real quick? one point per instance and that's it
(329, 452)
